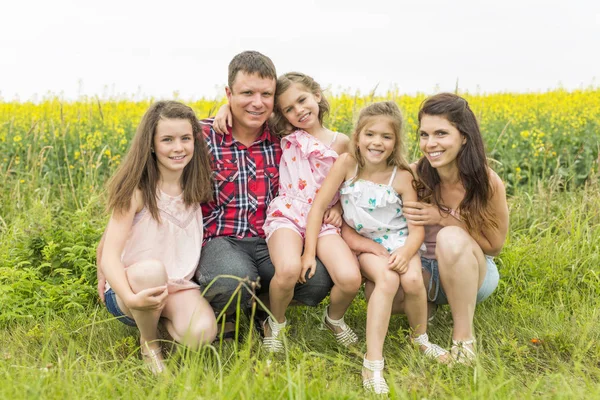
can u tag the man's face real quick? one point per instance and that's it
(251, 100)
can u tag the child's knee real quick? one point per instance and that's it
(146, 274)
(350, 283)
(203, 331)
(412, 283)
(288, 273)
(389, 284)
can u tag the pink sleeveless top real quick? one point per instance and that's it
(176, 241)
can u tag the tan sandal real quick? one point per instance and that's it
(432, 350)
(153, 359)
(346, 337)
(463, 354)
(376, 383)
(273, 343)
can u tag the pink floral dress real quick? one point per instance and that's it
(305, 163)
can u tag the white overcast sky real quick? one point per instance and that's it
(138, 49)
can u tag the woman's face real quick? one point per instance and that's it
(440, 141)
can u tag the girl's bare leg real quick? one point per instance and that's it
(189, 318)
(285, 249)
(344, 271)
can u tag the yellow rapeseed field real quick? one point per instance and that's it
(68, 149)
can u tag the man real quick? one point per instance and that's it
(246, 178)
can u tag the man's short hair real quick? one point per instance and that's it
(251, 62)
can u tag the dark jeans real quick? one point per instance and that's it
(249, 258)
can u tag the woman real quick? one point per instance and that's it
(464, 211)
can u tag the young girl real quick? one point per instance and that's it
(308, 154)
(152, 243)
(375, 179)
(309, 151)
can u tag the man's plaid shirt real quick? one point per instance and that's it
(245, 180)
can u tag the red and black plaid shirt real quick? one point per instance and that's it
(245, 179)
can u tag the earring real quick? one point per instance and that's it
(152, 150)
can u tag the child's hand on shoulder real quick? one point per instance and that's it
(148, 299)
(398, 261)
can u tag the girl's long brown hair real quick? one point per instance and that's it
(367, 116)
(472, 164)
(140, 169)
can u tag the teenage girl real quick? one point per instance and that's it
(152, 244)
(375, 180)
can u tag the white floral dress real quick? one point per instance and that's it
(375, 211)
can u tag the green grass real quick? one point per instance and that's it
(549, 291)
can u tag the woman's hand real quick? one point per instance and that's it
(148, 299)
(333, 216)
(418, 213)
(223, 119)
(398, 261)
(309, 263)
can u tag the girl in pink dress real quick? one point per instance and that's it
(152, 244)
(308, 154)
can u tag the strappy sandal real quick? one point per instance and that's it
(432, 350)
(273, 343)
(346, 336)
(376, 383)
(153, 359)
(463, 354)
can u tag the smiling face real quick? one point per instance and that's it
(251, 100)
(377, 140)
(440, 141)
(300, 107)
(173, 144)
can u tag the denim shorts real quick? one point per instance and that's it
(110, 298)
(489, 284)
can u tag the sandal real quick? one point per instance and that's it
(346, 336)
(376, 383)
(153, 359)
(463, 354)
(432, 350)
(273, 343)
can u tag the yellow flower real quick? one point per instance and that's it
(17, 138)
(518, 170)
(525, 134)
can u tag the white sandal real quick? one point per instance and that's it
(432, 350)
(273, 343)
(376, 383)
(346, 336)
(463, 354)
(153, 358)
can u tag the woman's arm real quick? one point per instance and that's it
(403, 184)
(328, 189)
(490, 240)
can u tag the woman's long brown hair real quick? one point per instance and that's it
(140, 169)
(472, 164)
